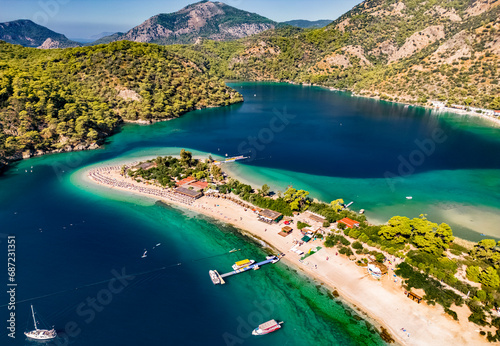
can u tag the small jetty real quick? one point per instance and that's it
(231, 159)
(219, 278)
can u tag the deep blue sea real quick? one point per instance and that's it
(79, 248)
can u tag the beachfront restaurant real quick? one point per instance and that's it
(285, 231)
(188, 192)
(269, 216)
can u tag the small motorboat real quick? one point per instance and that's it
(145, 254)
(409, 197)
(274, 259)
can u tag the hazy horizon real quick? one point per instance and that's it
(83, 19)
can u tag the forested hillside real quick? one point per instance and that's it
(409, 51)
(62, 99)
(29, 34)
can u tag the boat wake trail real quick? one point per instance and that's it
(92, 284)
(107, 280)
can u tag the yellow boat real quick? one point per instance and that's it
(242, 264)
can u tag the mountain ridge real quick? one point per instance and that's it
(202, 20)
(407, 51)
(29, 34)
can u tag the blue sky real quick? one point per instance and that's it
(84, 18)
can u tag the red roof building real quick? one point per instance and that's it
(349, 223)
(199, 185)
(185, 181)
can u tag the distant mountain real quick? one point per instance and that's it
(26, 33)
(306, 24)
(81, 40)
(205, 19)
(106, 39)
(94, 38)
(101, 35)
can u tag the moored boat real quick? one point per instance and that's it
(40, 334)
(214, 277)
(242, 264)
(267, 327)
(275, 259)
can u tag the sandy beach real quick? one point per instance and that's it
(383, 301)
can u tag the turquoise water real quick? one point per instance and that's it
(70, 234)
(68, 237)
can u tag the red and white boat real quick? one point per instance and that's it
(267, 327)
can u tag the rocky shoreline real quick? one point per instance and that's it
(5, 162)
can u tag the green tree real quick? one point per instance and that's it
(297, 199)
(93, 135)
(445, 233)
(481, 295)
(264, 191)
(216, 171)
(186, 157)
(397, 230)
(337, 205)
(472, 273)
(200, 175)
(489, 278)
(487, 243)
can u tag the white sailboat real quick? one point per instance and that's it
(40, 334)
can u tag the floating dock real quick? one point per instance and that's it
(219, 278)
